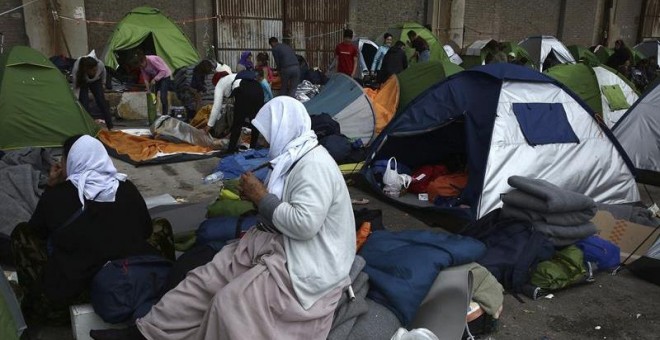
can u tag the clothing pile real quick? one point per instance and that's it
(306, 91)
(562, 215)
(23, 177)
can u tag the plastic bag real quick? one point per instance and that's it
(393, 181)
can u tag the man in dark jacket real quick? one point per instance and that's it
(287, 66)
(395, 61)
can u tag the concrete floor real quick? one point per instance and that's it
(614, 307)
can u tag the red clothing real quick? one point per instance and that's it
(346, 53)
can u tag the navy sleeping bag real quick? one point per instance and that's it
(402, 266)
(223, 228)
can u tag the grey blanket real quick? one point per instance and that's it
(565, 235)
(379, 323)
(542, 196)
(348, 311)
(23, 175)
(631, 213)
(563, 218)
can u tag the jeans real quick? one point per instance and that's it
(424, 56)
(163, 86)
(290, 79)
(99, 96)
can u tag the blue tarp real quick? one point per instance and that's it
(233, 166)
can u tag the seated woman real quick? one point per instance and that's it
(283, 279)
(90, 214)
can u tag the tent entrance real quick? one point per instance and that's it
(445, 145)
(124, 73)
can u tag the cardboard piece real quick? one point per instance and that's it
(625, 234)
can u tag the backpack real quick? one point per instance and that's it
(323, 125)
(224, 228)
(127, 288)
(604, 253)
(338, 147)
(513, 249)
(566, 268)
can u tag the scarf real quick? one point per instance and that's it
(91, 171)
(244, 60)
(285, 124)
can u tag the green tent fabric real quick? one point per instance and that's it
(419, 77)
(603, 53)
(37, 106)
(520, 52)
(581, 79)
(583, 53)
(400, 32)
(637, 56)
(170, 42)
(615, 97)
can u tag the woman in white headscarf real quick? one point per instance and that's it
(88, 215)
(283, 279)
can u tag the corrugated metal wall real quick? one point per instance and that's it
(313, 26)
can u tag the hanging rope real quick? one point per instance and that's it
(19, 7)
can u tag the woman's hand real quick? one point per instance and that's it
(251, 188)
(56, 174)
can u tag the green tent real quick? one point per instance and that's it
(147, 28)
(509, 47)
(637, 56)
(419, 77)
(581, 79)
(37, 106)
(583, 53)
(400, 32)
(603, 53)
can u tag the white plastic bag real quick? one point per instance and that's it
(415, 334)
(393, 181)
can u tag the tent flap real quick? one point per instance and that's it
(534, 119)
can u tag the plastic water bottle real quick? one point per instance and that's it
(214, 177)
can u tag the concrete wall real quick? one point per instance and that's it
(373, 17)
(12, 24)
(582, 21)
(625, 21)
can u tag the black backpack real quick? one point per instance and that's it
(513, 249)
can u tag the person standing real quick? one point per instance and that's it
(347, 55)
(155, 73)
(394, 62)
(287, 66)
(89, 74)
(422, 51)
(380, 54)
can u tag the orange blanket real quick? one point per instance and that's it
(141, 149)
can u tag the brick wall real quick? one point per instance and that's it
(626, 22)
(373, 17)
(510, 20)
(581, 22)
(12, 24)
(104, 10)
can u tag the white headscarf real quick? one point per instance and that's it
(285, 124)
(90, 169)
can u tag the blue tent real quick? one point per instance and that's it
(345, 101)
(502, 120)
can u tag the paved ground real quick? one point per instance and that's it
(614, 307)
